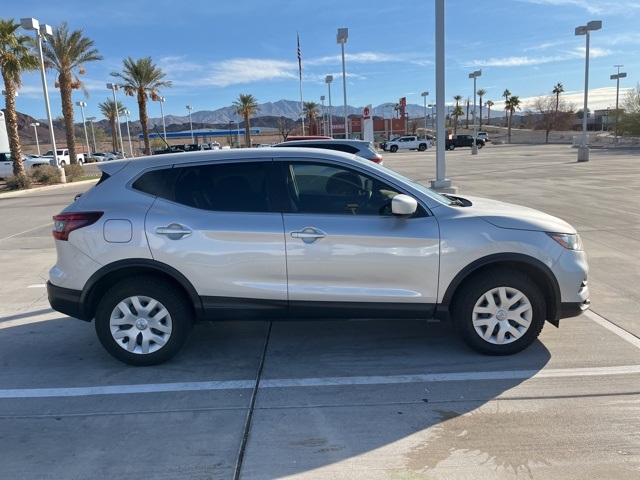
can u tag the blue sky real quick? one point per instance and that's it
(213, 51)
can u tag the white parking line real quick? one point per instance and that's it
(26, 231)
(603, 322)
(316, 382)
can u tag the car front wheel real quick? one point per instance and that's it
(143, 320)
(422, 147)
(393, 148)
(499, 311)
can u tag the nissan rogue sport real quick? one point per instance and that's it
(163, 242)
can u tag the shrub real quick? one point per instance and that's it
(45, 174)
(18, 182)
(73, 172)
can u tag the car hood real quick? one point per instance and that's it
(516, 217)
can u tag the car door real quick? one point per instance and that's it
(213, 223)
(344, 248)
(6, 165)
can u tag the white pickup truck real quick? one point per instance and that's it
(63, 156)
(407, 142)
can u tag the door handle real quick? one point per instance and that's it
(309, 234)
(174, 231)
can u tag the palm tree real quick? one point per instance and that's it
(458, 111)
(142, 79)
(512, 104)
(310, 109)
(16, 57)
(557, 90)
(481, 93)
(108, 109)
(506, 94)
(488, 104)
(246, 105)
(66, 53)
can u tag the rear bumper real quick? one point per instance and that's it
(67, 301)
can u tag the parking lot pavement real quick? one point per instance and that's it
(341, 400)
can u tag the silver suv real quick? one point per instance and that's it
(163, 242)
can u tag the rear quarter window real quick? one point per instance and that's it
(150, 182)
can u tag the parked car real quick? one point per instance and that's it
(160, 243)
(361, 148)
(408, 142)
(462, 141)
(6, 163)
(483, 136)
(103, 157)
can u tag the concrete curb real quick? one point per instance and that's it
(17, 193)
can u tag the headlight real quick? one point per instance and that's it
(570, 241)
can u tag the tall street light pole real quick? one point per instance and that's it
(126, 115)
(425, 95)
(93, 133)
(189, 107)
(343, 34)
(35, 129)
(164, 127)
(617, 78)
(84, 125)
(113, 87)
(42, 33)
(328, 79)
(583, 150)
(474, 147)
(324, 123)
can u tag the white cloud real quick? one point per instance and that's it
(599, 98)
(596, 8)
(530, 61)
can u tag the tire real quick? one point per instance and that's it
(393, 148)
(480, 145)
(452, 147)
(422, 147)
(499, 311)
(156, 312)
(62, 163)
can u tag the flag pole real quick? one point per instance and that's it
(300, 72)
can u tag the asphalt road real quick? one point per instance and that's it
(334, 400)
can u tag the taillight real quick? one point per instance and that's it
(66, 223)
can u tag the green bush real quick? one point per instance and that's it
(73, 172)
(18, 182)
(46, 175)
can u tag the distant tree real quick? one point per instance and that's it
(142, 79)
(285, 126)
(16, 57)
(467, 125)
(66, 53)
(109, 109)
(512, 104)
(506, 94)
(457, 112)
(310, 110)
(557, 90)
(481, 93)
(629, 122)
(488, 104)
(550, 114)
(580, 113)
(246, 105)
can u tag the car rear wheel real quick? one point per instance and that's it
(452, 147)
(393, 148)
(422, 147)
(499, 311)
(143, 320)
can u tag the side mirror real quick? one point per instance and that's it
(403, 205)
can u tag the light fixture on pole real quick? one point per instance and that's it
(343, 34)
(328, 79)
(34, 125)
(425, 95)
(113, 87)
(189, 107)
(84, 124)
(93, 133)
(164, 127)
(474, 147)
(42, 32)
(583, 150)
(617, 78)
(126, 115)
(324, 125)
